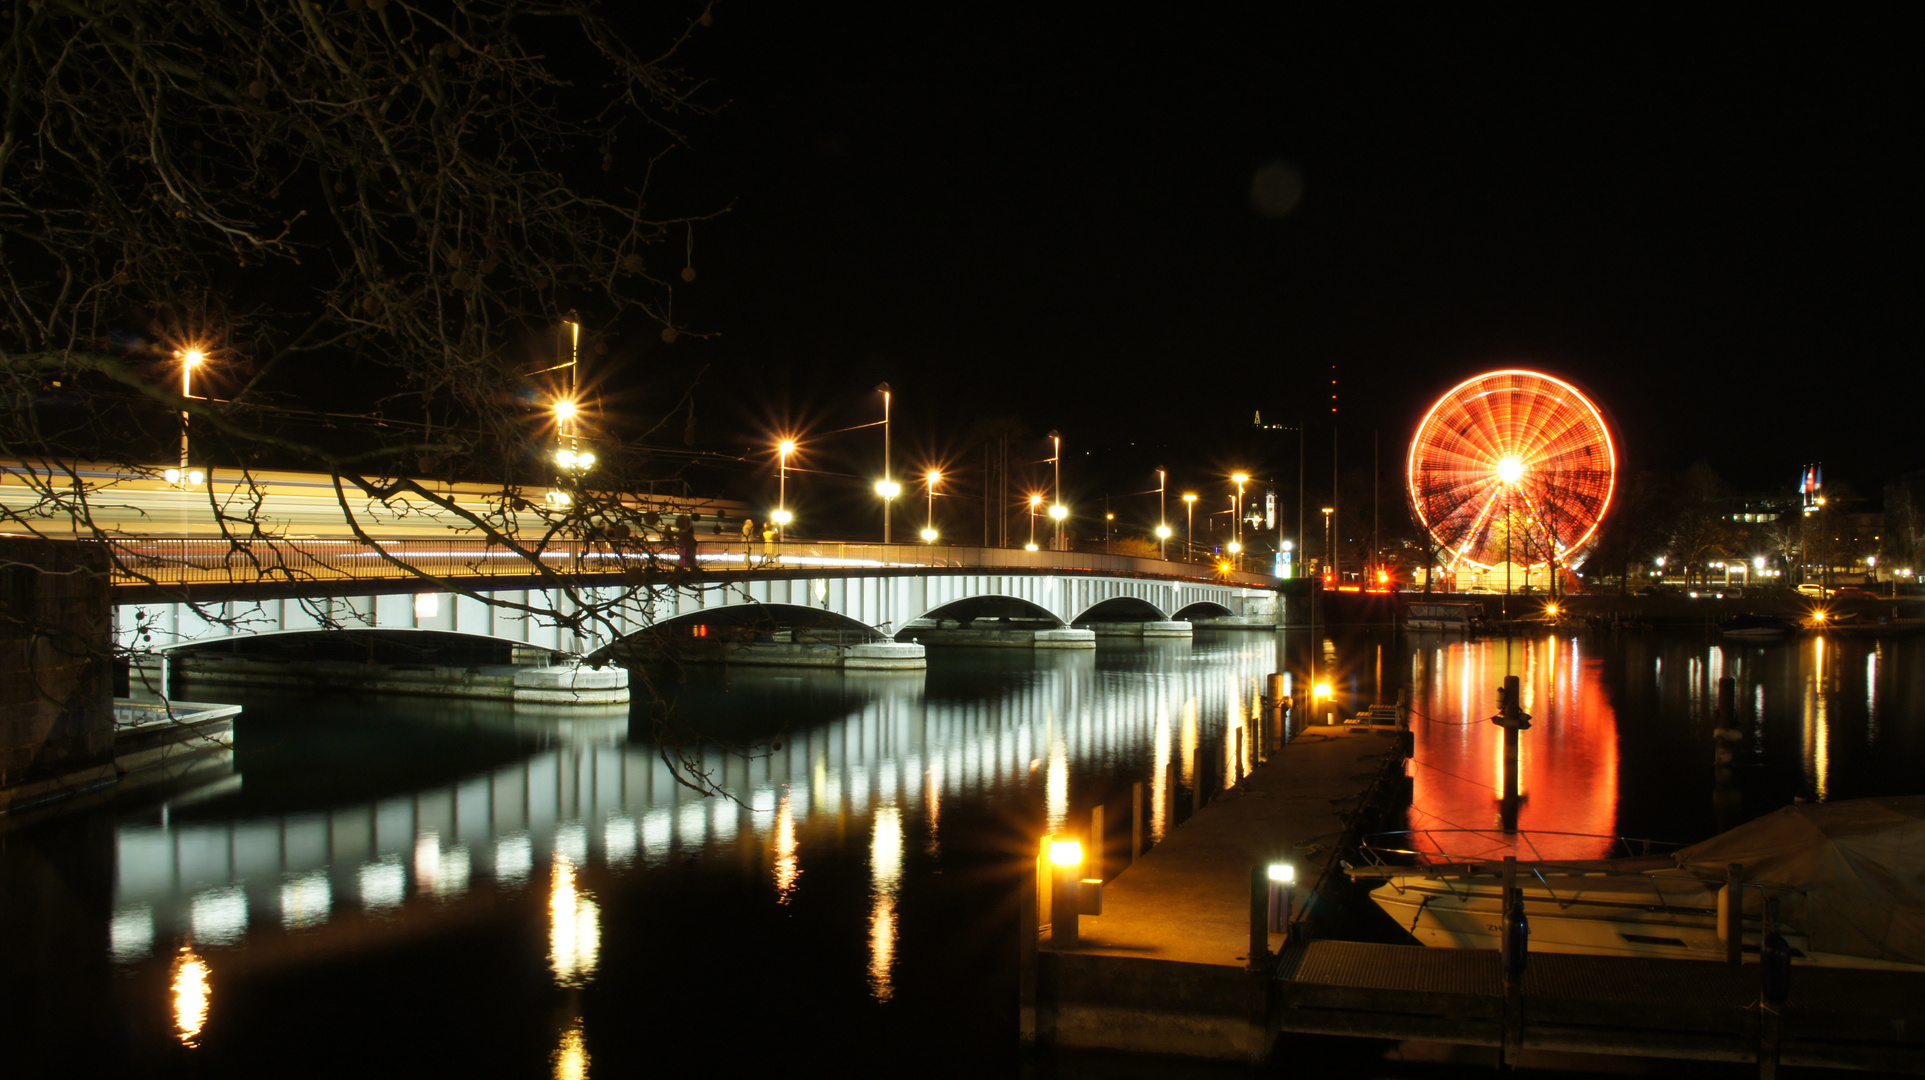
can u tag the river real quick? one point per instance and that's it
(399, 885)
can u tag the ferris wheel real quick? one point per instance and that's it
(1512, 466)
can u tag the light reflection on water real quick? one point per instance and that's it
(1567, 760)
(893, 763)
(190, 996)
(595, 798)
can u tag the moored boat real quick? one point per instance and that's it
(1849, 878)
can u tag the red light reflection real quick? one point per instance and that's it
(1567, 761)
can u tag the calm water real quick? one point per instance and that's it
(408, 885)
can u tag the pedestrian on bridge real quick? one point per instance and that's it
(748, 530)
(769, 534)
(685, 542)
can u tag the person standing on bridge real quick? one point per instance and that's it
(748, 536)
(685, 542)
(769, 534)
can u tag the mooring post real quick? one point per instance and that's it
(1136, 820)
(1242, 762)
(1171, 775)
(1731, 914)
(1028, 928)
(1274, 701)
(1512, 718)
(1259, 916)
(1097, 848)
(1514, 953)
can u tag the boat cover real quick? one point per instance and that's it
(1859, 863)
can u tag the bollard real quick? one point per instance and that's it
(1170, 777)
(1136, 820)
(1275, 702)
(1098, 845)
(1774, 959)
(1066, 863)
(1283, 878)
(1242, 763)
(1731, 914)
(1516, 938)
(1259, 916)
(1403, 707)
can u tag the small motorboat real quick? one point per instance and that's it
(1757, 626)
(1849, 878)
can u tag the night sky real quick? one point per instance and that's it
(1707, 220)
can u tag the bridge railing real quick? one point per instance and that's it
(193, 561)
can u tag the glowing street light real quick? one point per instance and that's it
(189, 360)
(1189, 523)
(1162, 537)
(1236, 545)
(929, 521)
(887, 487)
(1034, 502)
(782, 451)
(1056, 492)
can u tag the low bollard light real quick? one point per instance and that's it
(1283, 880)
(1071, 894)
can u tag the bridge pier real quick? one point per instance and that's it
(1161, 628)
(548, 684)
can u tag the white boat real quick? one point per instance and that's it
(1849, 878)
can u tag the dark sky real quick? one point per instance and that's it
(1708, 220)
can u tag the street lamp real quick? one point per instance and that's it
(1034, 502)
(1056, 491)
(1189, 523)
(1330, 543)
(1162, 537)
(1237, 533)
(782, 451)
(888, 489)
(189, 360)
(1162, 518)
(929, 523)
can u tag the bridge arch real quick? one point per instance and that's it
(1122, 609)
(1203, 609)
(997, 607)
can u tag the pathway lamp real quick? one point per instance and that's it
(1162, 537)
(1189, 523)
(1034, 502)
(1283, 880)
(1059, 512)
(1070, 894)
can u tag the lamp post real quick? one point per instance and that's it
(1189, 524)
(1034, 502)
(1162, 517)
(189, 360)
(887, 487)
(929, 523)
(782, 516)
(1330, 544)
(1056, 509)
(1240, 479)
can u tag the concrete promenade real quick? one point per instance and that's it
(1165, 969)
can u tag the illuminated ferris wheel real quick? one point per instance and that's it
(1512, 466)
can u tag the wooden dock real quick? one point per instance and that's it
(1167, 967)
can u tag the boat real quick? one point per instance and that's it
(1848, 877)
(1449, 616)
(1756, 626)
